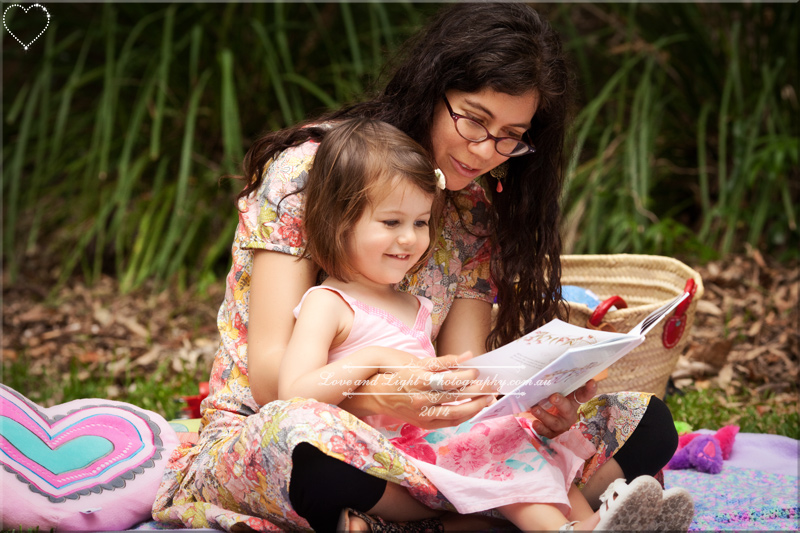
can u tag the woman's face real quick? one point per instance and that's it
(502, 114)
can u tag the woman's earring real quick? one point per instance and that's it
(499, 173)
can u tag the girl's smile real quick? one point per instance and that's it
(391, 237)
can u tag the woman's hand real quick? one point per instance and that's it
(554, 419)
(422, 392)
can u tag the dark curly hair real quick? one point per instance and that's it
(468, 47)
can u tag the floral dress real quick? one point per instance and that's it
(239, 470)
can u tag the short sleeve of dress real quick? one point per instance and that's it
(271, 217)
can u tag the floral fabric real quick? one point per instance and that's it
(484, 465)
(238, 472)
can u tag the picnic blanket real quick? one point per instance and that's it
(757, 489)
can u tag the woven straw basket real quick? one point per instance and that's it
(645, 282)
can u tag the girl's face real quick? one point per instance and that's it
(503, 115)
(390, 237)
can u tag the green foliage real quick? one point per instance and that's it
(159, 391)
(122, 119)
(687, 142)
(753, 413)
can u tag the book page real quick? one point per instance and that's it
(574, 368)
(650, 321)
(512, 364)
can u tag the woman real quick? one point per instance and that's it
(485, 89)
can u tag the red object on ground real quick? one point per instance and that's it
(192, 408)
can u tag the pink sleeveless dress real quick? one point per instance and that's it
(476, 466)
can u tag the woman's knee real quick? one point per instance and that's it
(652, 444)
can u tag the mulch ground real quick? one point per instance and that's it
(744, 339)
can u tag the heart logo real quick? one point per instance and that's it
(26, 10)
(76, 452)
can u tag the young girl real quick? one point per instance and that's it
(369, 219)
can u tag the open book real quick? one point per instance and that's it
(557, 357)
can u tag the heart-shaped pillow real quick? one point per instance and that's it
(85, 465)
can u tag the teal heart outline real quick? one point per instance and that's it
(74, 454)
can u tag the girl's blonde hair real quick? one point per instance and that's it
(357, 164)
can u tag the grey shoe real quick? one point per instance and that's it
(677, 511)
(630, 507)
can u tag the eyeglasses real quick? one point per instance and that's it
(476, 132)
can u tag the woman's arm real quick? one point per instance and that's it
(278, 282)
(466, 327)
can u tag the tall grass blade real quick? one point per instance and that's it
(109, 97)
(42, 137)
(702, 166)
(68, 93)
(177, 226)
(747, 133)
(163, 76)
(194, 52)
(352, 39)
(19, 102)
(312, 88)
(231, 123)
(271, 59)
(14, 179)
(588, 115)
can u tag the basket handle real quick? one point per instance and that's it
(601, 310)
(691, 288)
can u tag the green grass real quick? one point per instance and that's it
(159, 391)
(753, 413)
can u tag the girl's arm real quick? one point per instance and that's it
(278, 282)
(465, 329)
(324, 321)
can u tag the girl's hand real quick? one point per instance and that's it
(420, 393)
(562, 413)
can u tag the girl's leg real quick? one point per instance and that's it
(600, 481)
(546, 517)
(581, 510)
(397, 505)
(321, 487)
(534, 516)
(648, 449)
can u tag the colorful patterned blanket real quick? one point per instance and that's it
(757, 489)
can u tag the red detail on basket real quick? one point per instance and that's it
(601, 310)
(673, 330)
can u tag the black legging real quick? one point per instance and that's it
(651, 445)
(322, 486)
